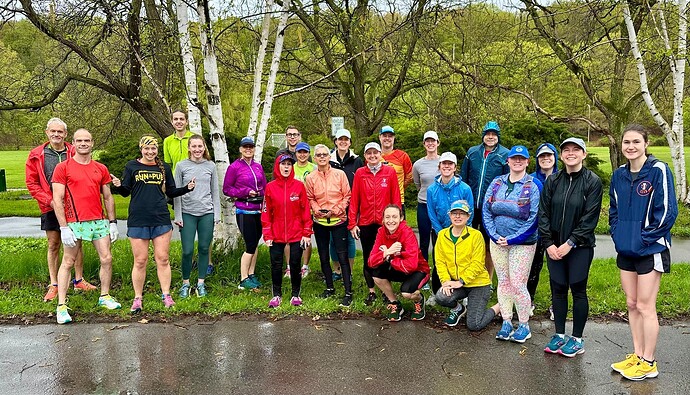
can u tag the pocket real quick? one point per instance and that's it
(628, 237)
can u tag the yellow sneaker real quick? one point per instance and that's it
(641, 371)
(630, 360)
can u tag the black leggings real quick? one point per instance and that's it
(277, 251)
(367, 236)
(535, 271)
(572, 273)
(435, 281)
(323, 235)
(250, 228)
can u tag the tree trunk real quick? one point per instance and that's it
(189, 67)
(259, 69)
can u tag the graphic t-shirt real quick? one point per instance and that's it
(83, 183)
(400, 161)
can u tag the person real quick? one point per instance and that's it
(302, 168)
(196, 212)
(397, 159)
(374, 188)
(482, 164)
(547, 165)
(150, 182)
(40, 166)
(78, 184)
(292, 138)
(343, 158)
(396, 257)
(424, 171)
(509, 215)
(329, 195)
(245, 182)
(175, 146)
(446, 189)
(569, 209)
(287, 222)
(459, 254)
(642, 213)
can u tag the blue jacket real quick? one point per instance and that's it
(538, 173)
(512, 215)
(479, 172)
(440, 196)
(643, 211)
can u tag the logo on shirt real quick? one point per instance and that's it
(149, 177)
(294, 197)
(384, 183)
(644, 188)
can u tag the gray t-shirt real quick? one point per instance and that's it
(205, 198)
(423, 173)
(51, 159)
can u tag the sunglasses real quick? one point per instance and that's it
(321, 155)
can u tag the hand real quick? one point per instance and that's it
(252, 193)
(191, 184)
(269, 243)
(553, 253)
(180, 223)
(305, 242)
(114, 233)
(502, 241)
(564, 249)
(395, 248)
(68, 238)
(116, 181)
(355, 233)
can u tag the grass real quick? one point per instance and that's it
(661, 153)
(14, 163)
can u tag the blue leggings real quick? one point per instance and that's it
(202, 225)
(424, 225)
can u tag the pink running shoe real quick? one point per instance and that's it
(296, 301)
(168, 301)
(275, 302)
(136, 306)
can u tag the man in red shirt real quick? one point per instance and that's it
(397, 159)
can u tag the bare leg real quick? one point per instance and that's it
(79, 265)
(161, 253)
(415, 296)
(647, 290)
(252, 262)
(65, 271)
(140, 250)
(245, 262)
(102, 246)
(385, 287)
(54, 244)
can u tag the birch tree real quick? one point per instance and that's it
(259, 68)
(189, 67)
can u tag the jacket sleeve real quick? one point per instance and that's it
(470, 200)
(353, 212)
(528, 227)
(33, 184)
(167, 158)
(544, 216)
(613, 204)
(126, 183)
(431, 202)
(443, 251)
(376, 256)
(476, 265)
(406, 262)
(229, 187)
(465, 168)
(590, 217)
(340, 207)
(171, 190)
(664, 207)
(177, 202)
(215, 194)
(415, 176)
(307, 222)
(487, 217)
(267, 215)
(394, 190)
(407, 169)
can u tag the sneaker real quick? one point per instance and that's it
(83, 285)
(551, 312)
(555, 344)
(62, 314)
(200, 290)
(572, 348)
(521, 334)
(327, 293)
(395, 311)
(287, 273)
(305, 271)
(455, 315)
(531, 310)
(167, 301)
(255, 280)
(431, 300)
(136, 306)
(629, 361)
(209, 270)
(51, 294)
(109, 302)
(247, 283)
(641, 371)
(371, 298)
(419, 312)
(337, 276)
(347, 300)
(184, 290)
(296, 301)
(385, 299)
(506, 331)
(275, 302)
(426, 286)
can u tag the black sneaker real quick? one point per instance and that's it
(327, 293)
(386, 302)
(347, 300)
(370, 299)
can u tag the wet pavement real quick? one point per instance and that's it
(366, 356)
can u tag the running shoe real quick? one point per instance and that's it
(455, 314)
(184, 290)
(296, 301)
(327, 293)
(287, 273)
(431, 300)
(108, 302)
(337, 276)
(347, 300)
(167, 301)
(209, 270)
(506, 331)
(641, 371)
(395, 311)
(200, 290)
(629, 361)
(555, 344)
(136, 306)
(419, 311)
(275, 302)
(531, 310)
(62, 314)
(83, 285)
(371, 298)
(51, 294)
(521, 334)
(572, 348)
(551, 312)
(255, 280)
(305, 271)
(247, 283)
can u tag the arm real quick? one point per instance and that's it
(109, 201)
(340, 207)
(465, 169)
(613, 206)
(215, 194)
(407, 170)
(376, 257)
(477, 264)
(487, 217)
(588, 221)
(431, 210)
(415, 176)
(528, 227)
(664, 207)
(394, 189)
(171, 190)
(177, 202)
(544, 215)
(309, 185)
(59, 203)
(266, 217)
(33, 184)
(406, 262)
(230, 188)
(126, 184)
(353, 212)
(467, 195)
(442, 256)
(305, 213)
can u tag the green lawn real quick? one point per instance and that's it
(661, 153)
(14, 162)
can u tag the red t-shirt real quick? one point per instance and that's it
(83, 185)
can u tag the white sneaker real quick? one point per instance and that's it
(287, 273)
(62, 315)
(108, 302)
(305, 271)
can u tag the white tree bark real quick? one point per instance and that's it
(673, 132)
(193, 115)
(259, 69)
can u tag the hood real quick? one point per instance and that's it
(395, 236)
(453, 181)
(648, 165)
(276, 171)
(551, 146)
(492, 126)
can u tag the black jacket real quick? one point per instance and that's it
(349, 164)
(569, 208)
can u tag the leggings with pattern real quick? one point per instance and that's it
(512, 265)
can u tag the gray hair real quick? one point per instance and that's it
(321, 146)
(58, 121)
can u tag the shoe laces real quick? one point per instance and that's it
(418, 307)
(393, 307)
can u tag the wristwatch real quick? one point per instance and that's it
(571, 243)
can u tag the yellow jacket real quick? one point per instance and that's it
(463, 260)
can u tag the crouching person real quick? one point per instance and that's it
(396, 257)
(459, 254)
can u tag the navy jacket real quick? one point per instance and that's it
(478, 172)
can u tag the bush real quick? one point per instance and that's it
(118, 153)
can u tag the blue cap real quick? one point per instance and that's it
(460, 205)
(387, 129)
(247, 141)
(491, 126)
(302, 146)
(519, 150)
(285, 157)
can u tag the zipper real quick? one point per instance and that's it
(481, 180)
(565, 201)
(256, 181)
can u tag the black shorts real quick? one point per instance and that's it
(410, 282)
(479, 225)
(49, 221)
(661, 262)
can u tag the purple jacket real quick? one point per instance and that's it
(242, 178)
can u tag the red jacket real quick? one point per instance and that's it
(285, 217)
(409, 260)
(371, 194)
(36, 181)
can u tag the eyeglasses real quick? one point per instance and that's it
(292, 134)
(247, 147)
(457, 213)
(321, 155)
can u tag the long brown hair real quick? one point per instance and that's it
(207, 155)
(147, 139)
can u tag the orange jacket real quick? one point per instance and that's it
(371, 194)
(328, 190)
(400, 161)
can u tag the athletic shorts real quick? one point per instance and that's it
(148, 232)
(49, 221)
(90, 230)
(661, 262)
(410, 282)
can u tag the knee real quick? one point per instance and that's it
(140, 263)
(54, 246)
(473, 326)
(378, 281)
(162, 260)
(107, 260)
(408, 295)
(632, 304)
(646, 309)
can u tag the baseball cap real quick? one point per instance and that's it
(302, 146)
(372, 145)
(387, 129)
(448, 157)
(460, 205)
(519, 150)
(574, 140)
(247, 141)
(285, 157)
(545, 149)
(343, 133)
(431, 135)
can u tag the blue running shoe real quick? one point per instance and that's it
(184, 290)
(209, 270)
(521, 334)
(555, 344)
(255, 280)
(505, 332)
(337, 276)
(200, 290)
(572, 348)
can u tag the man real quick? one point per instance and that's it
(175, 146)
(292, 137)
(482, 164)
(39, 172)
(78, 184)
(397, 159)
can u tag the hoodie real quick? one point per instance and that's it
(409, 260)
(371, 193)
(241, 178)
(440, 196)
(285, 216)
(538, 172)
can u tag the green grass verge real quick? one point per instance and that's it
(14, 163)
(661, 153)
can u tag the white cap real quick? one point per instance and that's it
(448, 157)
(431, 135)
(372, 145)
(545, 150)
(343, 132)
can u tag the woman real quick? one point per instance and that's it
(424, 171)
(396, 257)
(197, 212)
(459, 253)
(509, 215)
(149, 181)
(375, 187)
(287, 222)
(245, 182)
(329, 194)
(569, 209)
(643, 211)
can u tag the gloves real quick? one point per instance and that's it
(68, 238)
(114, 233)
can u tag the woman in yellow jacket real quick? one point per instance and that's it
(459, 254)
